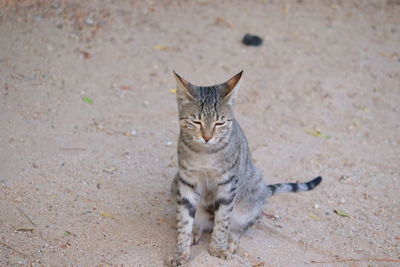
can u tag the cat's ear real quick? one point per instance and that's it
(183, 88)
(231, 87)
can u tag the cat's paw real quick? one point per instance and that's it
(220, 253)
(173, 261)
(233, 242)
(197, 232)
(233, 245)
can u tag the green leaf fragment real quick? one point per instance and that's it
(342, 213)
(87, 100)
(317, 133)
(67, 233)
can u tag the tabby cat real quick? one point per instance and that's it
(217, 188)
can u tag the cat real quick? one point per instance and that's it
(217, 187)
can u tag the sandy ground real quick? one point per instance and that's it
(93, 178)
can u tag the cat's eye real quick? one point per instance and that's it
(197, 122)
(219, 123)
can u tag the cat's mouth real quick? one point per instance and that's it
(209, 142)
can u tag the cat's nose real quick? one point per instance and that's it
(207, 138)
(207, 133)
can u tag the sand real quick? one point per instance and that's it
(89, 127)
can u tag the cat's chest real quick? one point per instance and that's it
(206, 181)
(202, 163)
(204, 171)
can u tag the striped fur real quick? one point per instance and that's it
(217, 187)
(275, 189)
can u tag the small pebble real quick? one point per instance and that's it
(342, 200)
(133, 132)
(35, 165)
(344, 179)
(168, 143)
(89, 20)
(252, 40)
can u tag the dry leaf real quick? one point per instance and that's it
(127, 134)
(86, 55)
(110, 170)
(107, 215)
(160, 47)
(220, 21)
(286, 9)
(355, 123)
(334, 6)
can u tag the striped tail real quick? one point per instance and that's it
(275, 189)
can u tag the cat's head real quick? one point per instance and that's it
(206, 112)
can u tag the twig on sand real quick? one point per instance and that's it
(26, 216)
(16, 250)
(354, 260)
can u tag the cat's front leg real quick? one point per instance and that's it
(223, 207)
(186, 210)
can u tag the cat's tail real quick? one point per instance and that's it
(274, 189)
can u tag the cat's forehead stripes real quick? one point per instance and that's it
(208, 98)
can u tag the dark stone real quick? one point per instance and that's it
(252, 40)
